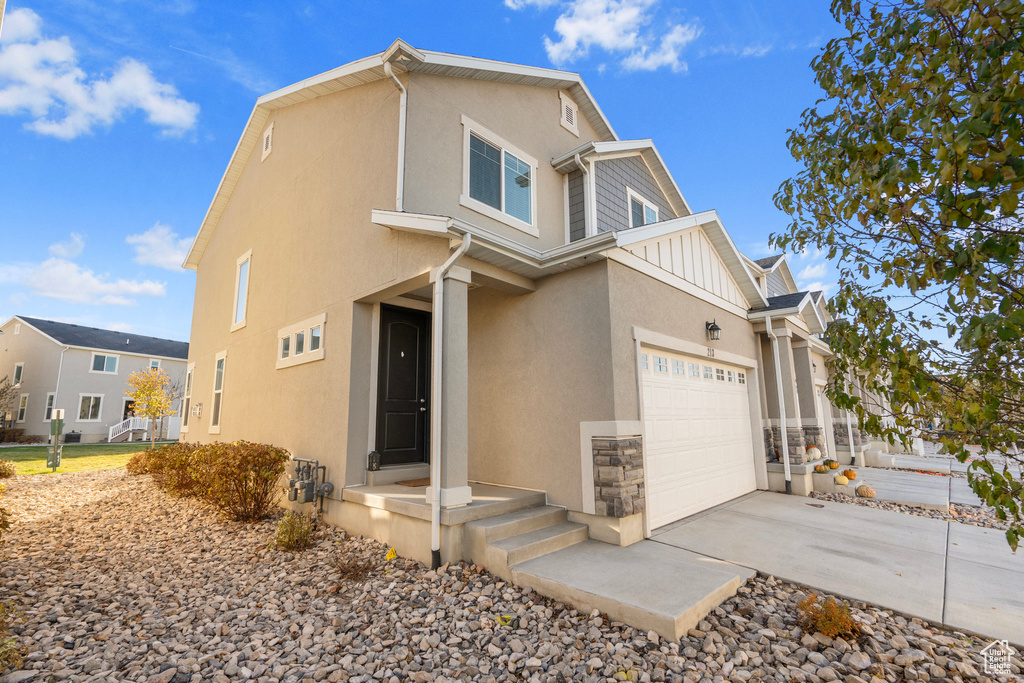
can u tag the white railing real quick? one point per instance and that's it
(130, 425)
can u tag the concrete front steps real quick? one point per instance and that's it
(648, 585)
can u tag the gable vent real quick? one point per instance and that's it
(268, 141)
(570, 114)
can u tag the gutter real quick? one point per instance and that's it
(782, 404)
(403, 99)
(436, 407)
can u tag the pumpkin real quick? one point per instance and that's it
(865, 491)
(850, 474)
(841, 480)
(820, 469)
(832, 464)
(813, 453)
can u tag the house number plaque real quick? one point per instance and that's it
(711, 352)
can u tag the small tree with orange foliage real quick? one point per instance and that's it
(151, 392)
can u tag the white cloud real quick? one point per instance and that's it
(160, 246)
(667, 54)
(818, 286)
(58, 278)
(813, 271)
(520, 4)
(119, 327)
(40, 77)
(70, 248)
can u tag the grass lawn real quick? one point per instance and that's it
(74, 457)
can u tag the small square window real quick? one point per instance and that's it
(708, 372)
(286, 345)
(314, 338)
(660, 364)
(741, 378)
(154, 364)
(720, 374)
(641, 210)
(732, 376)
(643, 361)
(678, 367)
(694, 370)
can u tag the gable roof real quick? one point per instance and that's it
(798, 304)
(566, 163)
(107, 340)
(402, 57)
(769, 262)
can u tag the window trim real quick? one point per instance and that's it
(469, 127)
(215, 428)
(632, 194)
(566, 102)
(186, 397)
(308, 355)
(21, 413)
(18, 377)
(78, 412)
(48, 406)
(247, 256)
(158, 365)
(92, 362)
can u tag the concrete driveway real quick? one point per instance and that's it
(944, 572)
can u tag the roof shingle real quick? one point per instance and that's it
(109, 340)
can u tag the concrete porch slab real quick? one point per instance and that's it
(928, 491)
(918, 462)
(488, 501)
(648, 585)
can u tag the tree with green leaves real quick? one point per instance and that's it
(912, 178)
(151, 392)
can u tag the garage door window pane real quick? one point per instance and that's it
(660, 364)
(678, 367)
(643, 361)
(694, 370)
(720, 374)
(742, 378)
(708, 373)
(732, 376)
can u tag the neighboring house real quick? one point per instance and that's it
(600, 341)
(82, 370)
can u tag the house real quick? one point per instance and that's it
(81, 370)
(455, 267)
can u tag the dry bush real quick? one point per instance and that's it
(10, 651)
(7, 469)
(830, 617)
(5, 517)
(295, 531)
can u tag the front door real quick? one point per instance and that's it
(129, 409)
(403, 386)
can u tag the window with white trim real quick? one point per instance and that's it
(720, 374)
(643, 361)
(302, 342)
(89, 407)
(694, 369)
(498, 179)
(741, 378)
(217, 404)
(678, 367)
(186, 410)
(104, 363)
(709, 372)
(19, 373)
(570, 114)
(660, 364)
(154, 363)
(641, 210)
(22, 407)
(241, 290)
(48, 410)
(268, 142)
(732, 376)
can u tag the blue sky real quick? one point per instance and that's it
(117, 119)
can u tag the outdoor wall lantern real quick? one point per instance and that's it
(714, 331)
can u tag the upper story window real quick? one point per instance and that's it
(570, 114)
(241, 290)
(301, 342)
(19, 373)
(105, 363)
(498, 179)
(154, 363)
(641, 210)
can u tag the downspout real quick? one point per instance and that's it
(437, 373)
(849, 435)
(586, 195)
(402, 102)
(56, 389)
(782, 404)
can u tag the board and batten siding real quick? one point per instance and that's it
(611, 178)
(776, 284)
(577, 207)
(690, 255)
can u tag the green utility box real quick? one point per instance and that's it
(56, 430)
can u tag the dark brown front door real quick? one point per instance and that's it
(403, 386)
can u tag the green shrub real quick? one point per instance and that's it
(7, 469)
(240, 478)
(10, 651)
(295, 531)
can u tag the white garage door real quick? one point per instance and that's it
(697, 423)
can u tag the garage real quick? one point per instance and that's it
(699, 449)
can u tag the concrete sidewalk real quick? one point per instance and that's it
(928, 491)
(944, 572)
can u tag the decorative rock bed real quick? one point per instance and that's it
(120, 582)
(964, 514)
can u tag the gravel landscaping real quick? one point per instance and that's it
(963, 514)
(120, 582)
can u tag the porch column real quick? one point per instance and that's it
(810, 408)
(792, 428)
(455, 488)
